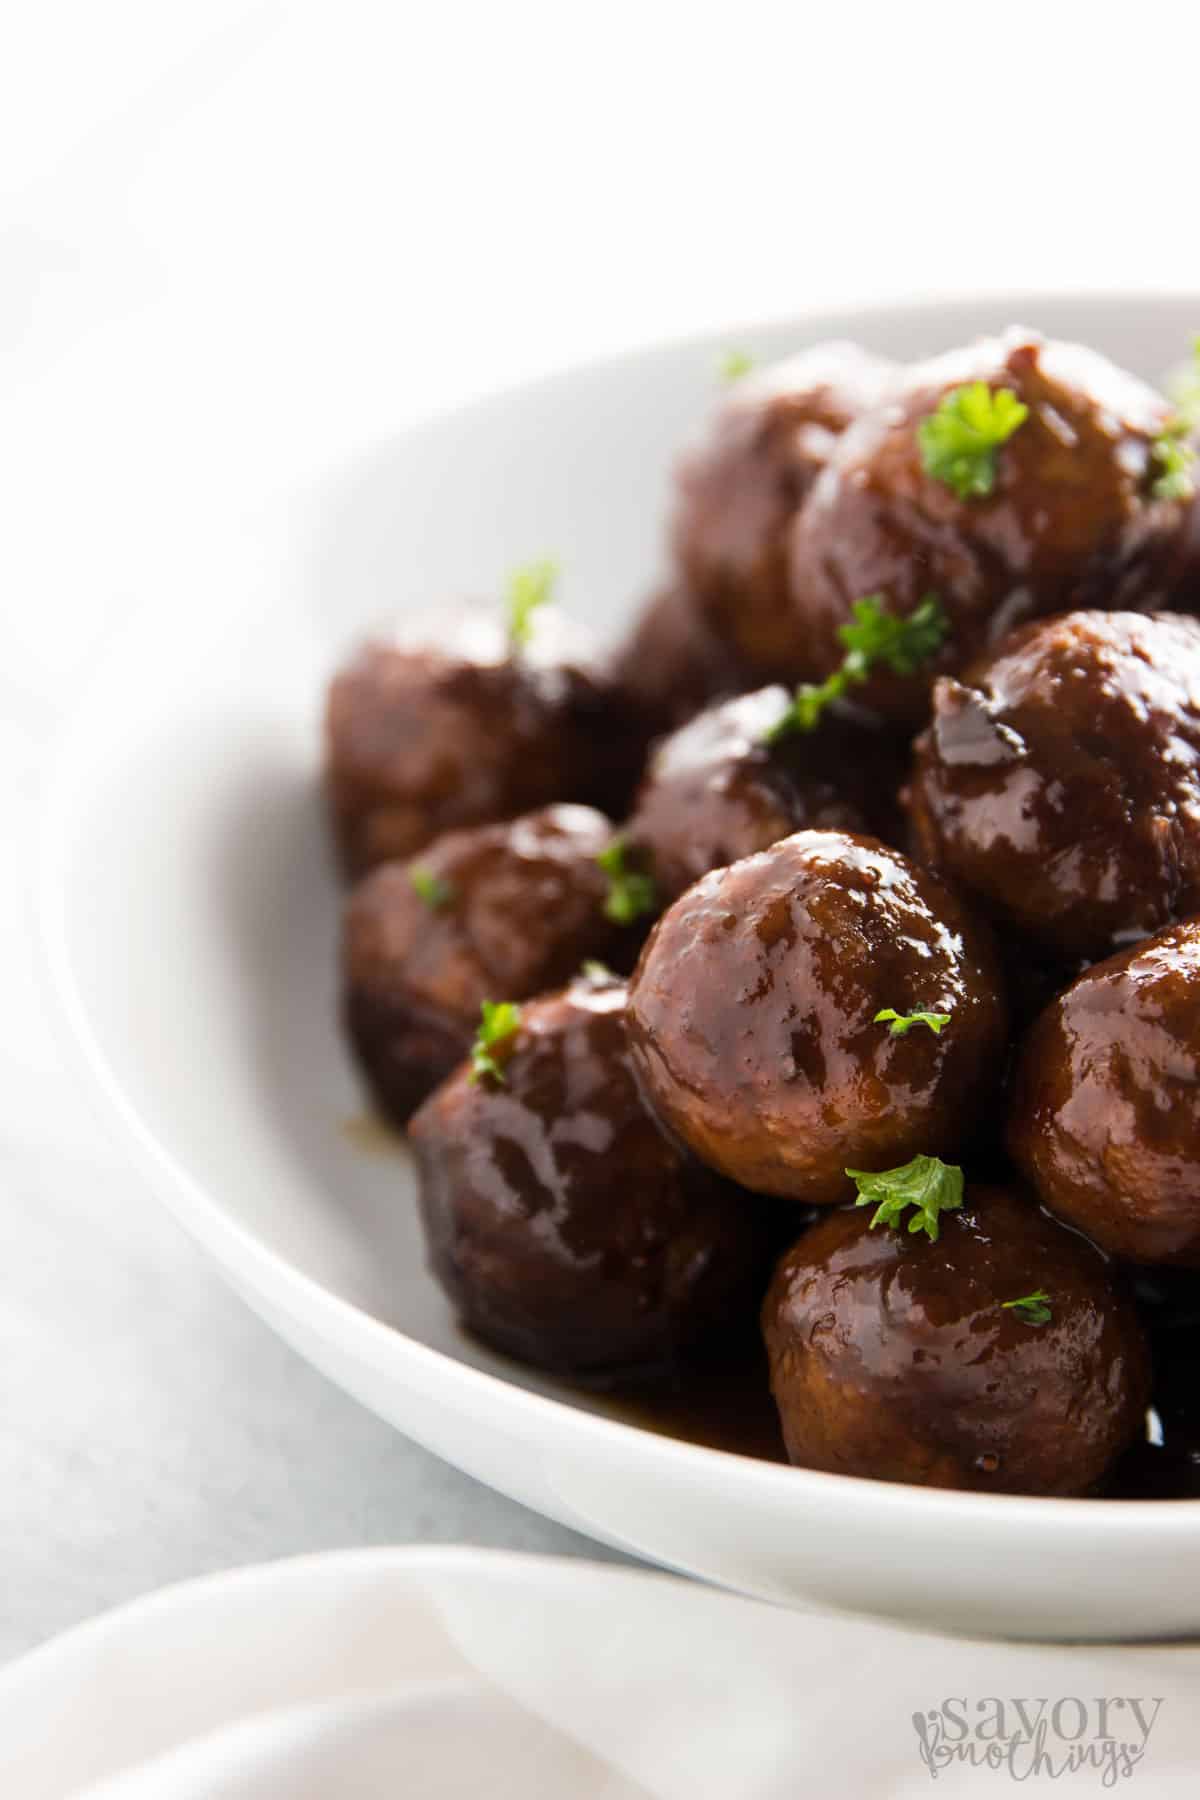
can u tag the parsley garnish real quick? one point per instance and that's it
(497, 1021)
(1033, 1308)
(1183, 387)
(734, 364)
(960, 440)
(900, 1023)
(631, 892)
(529, 587)
(926, 1182)
(1174, 456)
(436, 893)
(599, 972)
(873, 636)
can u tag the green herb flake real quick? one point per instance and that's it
(433, 890)
(497, 1023)
(902, 1023)
(529, 587)
(1033, 1308)
(902, 644)
(598, 972)
(959, 442)
(926, 1183)
(872, 636)
(631, 891)
(734, 364)
(1174, 457)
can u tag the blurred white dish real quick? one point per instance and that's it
(451, 1673)
(190, 912)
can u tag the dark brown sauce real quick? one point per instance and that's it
(722, 1409)
(1156, 1472)
(1170, 1469)
(1169, 1301)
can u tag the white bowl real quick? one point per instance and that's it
(191, 911)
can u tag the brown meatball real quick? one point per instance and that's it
(739, 492)
(497, 912)
(1071, 519)
(898, 1358)
(714, 791)
(423, 740)
(563, 1225)
(1060, 779)
(752, 1016)
(670, 664)
(1104, 1119)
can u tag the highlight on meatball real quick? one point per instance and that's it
(421, 740)
(1001, 1357)
(726, 785)
(1104, 1120)
(824, 1004)
(1059, 780)
(1011, 479)
(562, 1224)
(510, 909)
(738, 494)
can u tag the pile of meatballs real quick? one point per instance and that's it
(816, 976)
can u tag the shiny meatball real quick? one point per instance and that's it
(899, 1358)
(1060, 779)
(563, 1225)
(1071, 519)
(1104, 1119)
(670, 664)
(739, 492)
(715, 791)
(753, 1016)
(496, 912)
(422, 740)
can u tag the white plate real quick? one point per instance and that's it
(191, 910)
(450, 1674)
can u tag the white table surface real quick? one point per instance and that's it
(235, 239)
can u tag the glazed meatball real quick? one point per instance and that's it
(902, 1359)
(738, 494)
(716, 790)
(670, 664)
(1070, 518)
(562, 1224)
(1059, 781)
(753, 1016)
(1104, 1119)
(424, 740)
(498, 911)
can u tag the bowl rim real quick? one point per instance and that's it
(300, 1297)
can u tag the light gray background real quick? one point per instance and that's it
(239, 239)
(151, 1428)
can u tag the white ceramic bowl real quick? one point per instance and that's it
(191, 909)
